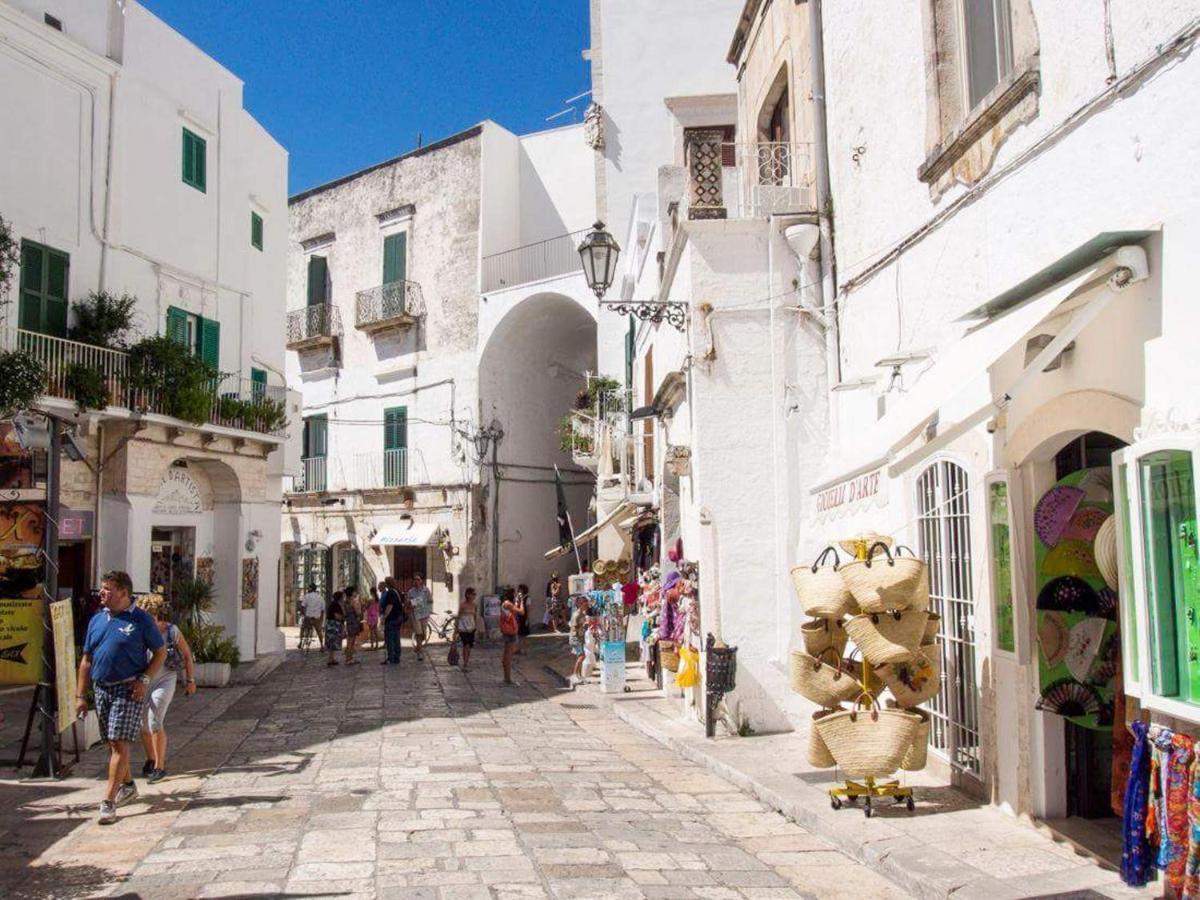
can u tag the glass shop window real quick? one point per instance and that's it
(1000, 541)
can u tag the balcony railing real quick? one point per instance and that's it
(396, 305)
(747, 180)
(311, 479)
(313, 326)
(235, 402)
(532, 262)
(378, 471)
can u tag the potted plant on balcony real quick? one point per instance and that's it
(87, 385)
(24, 375)
(103, 319)
(165, 377)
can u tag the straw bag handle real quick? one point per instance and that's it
(871, 553)
(896, 614)
(837, 560)
(873, 705)
(900, 547)
(837, 664)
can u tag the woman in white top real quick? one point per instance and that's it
(464, 625)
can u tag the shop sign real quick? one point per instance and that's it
(64, 661)
(178, 493)
(851, 492)
(21, 634)
(76, 524)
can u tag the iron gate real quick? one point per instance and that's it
(944, 523)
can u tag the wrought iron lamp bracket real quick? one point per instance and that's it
(673, 312)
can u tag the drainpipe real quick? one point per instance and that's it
(828, 264)
(106, 222)
(96, 529)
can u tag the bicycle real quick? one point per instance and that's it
(308, 634)
(445, 629)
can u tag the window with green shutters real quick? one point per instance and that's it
(256, 231)
(200, 335)
(395, 257)
(318, 280)
(210, 342)
(258, 383)
(44, 281)
(195, 161)
(316, 436)
(395, 446)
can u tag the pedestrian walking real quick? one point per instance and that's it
(373, 618)
(577, 629)
(421, 602)
(391, 609)
(335, 627)
(122, 655)
(522, 618)
(556, 606)
(465, 625)
(162, 689)
(353, 612)
(510, 608)
(312, 608)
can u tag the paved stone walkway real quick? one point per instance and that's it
(415, 781)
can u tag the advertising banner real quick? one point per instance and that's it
(612, 667)
(20, 640)
(64, 661)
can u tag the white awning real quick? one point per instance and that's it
(591, 533)
(405, 534)
(958, 386)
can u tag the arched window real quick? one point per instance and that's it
(944, 526)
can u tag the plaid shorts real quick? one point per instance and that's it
(120, 716)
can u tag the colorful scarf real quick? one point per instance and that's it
(1136, 858)
(1191, 882)
(1174, 828)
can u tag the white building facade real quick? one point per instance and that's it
(141, 173)
(430, 298)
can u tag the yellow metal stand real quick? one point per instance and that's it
(868, 788)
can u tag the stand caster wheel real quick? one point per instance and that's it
(835, 802)
(910, 805)
(628, 689)
(852, 800)
(867, 811)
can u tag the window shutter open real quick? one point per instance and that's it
(319, 437)
(256, 231)
(177, 325)
(395, 249)
(32, 263)
(57, 269)
(318, 279)
(395, 428)
(210, 342)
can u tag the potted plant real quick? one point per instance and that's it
(215, 655)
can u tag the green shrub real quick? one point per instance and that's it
(104, 320)
(87, 385)
(192, 602)
(23, 382)
(8, 256)
(164, 376)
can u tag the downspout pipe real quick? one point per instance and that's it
(828, 263)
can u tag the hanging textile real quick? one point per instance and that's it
(1136, 856)
(1191, 883)
(1174, 828)
(1122, 748)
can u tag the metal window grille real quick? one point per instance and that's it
(943, 509)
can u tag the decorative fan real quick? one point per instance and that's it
(1108, 661)
(1108, 604)
(1084, 524)
(1053, 635)
(1069, 594)
(1071, 558)
(1083, 645)
(1067, 697)
(1053, 512)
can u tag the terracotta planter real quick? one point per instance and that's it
(212, 674)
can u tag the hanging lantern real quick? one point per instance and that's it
(598, 253)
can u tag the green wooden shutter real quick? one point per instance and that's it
(318, 279)
(258, 383)
(55, 299)
(33, 260)
(256, 230)
(210, 342)
(318, 439)
(395, 250)
(195, 163)
(629, 354)
(395, 428)
(177, 329)
(45, 276)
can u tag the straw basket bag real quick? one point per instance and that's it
(915, 680)
(917, 755)
(819, 756)
(895, 582)
(820, 588)
(821, 634)
(668, 656)
(824, 684)
(888, 637)
(869, 743)
(932, 624)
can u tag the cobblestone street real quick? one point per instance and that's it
(414, 781)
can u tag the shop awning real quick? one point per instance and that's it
(591, 533)
(958, 388)
(405, 534)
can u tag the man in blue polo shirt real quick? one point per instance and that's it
(122, 654)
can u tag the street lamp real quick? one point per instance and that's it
(599, 252)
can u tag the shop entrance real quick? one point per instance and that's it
(172, 557)
(1079, 644)
(407, 562)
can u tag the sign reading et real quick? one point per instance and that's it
(864, 487)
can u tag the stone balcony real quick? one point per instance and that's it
(315, 327)
(397, 306)
(747, 180)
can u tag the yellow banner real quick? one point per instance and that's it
(20, 641)
(64, 661)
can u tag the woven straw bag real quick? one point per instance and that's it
(869, 743)
(887, 637)
(932, 624)
(821, 634)
(819, 756)
(915, 680)
(824, 684)
(820, 588)
(668, 656)
(917, 755)
(893, 582)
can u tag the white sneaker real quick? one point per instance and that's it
(108, 812)
(126, 793)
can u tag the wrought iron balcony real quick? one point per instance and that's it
(747, 180)
(313, 327)
(398, 305)
(533, 262)
(311, 479)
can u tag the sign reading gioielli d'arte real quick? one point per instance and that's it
(854, 490)
(21, 635)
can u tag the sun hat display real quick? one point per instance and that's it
(888, 637)
(821, 634)
(870, 742)
(883, 581)
(819, 756)
(863, 539)
(915, 680)
(1053, 512)
(820, 588)
(1105, 549)
(826, 680)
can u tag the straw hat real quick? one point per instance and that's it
(850, 544)
(1105, 547)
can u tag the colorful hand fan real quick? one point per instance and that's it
(1083, 645)
(1069, 594)
(1053, 635)
(1072, 558)
(1084, 524)
(1053, 512)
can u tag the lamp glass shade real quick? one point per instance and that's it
(598, 253)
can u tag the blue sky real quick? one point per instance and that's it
(343, 84)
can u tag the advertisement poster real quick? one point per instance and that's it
(612, 667)
(250, 582)
(16, 465)
(64, 661)
(21, 566)
(20, 641)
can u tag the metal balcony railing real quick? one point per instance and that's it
(313, 326)
(235, 402)
(396, 304)
(747, 180)
(532, 262)
(311, 479)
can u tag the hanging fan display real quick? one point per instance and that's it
(1072, 558)
(1053, 635)
(1053, 512)
(1107, 608)
(1108, 661)
(1070, 699)
(1085, 524)
(1069, 594)
(1083, 645)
